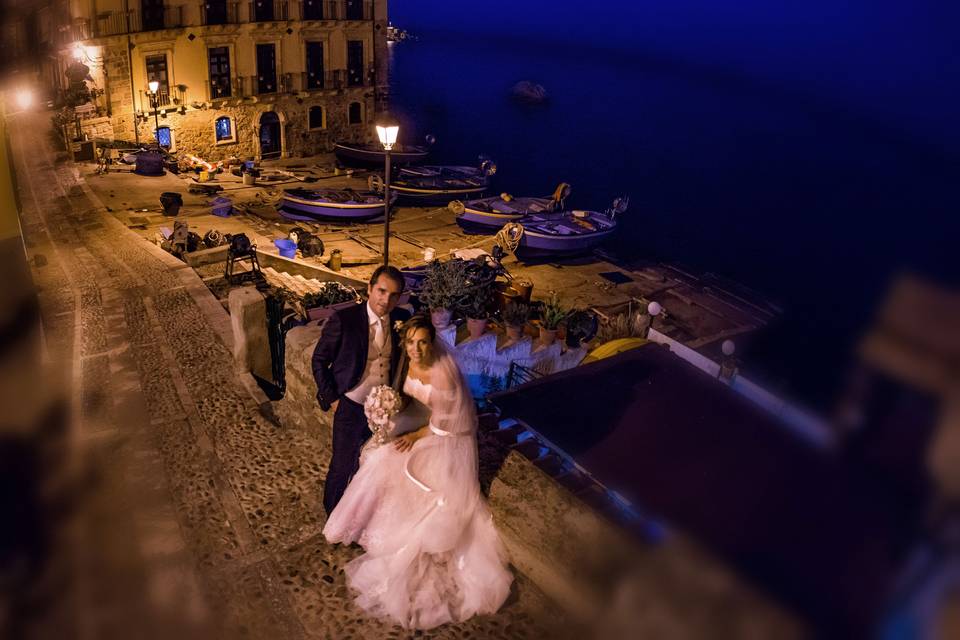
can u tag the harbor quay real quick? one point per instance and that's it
(195, 497)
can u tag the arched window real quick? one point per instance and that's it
(355, 114)
(224, 130)
(317, 118)
(165, 137)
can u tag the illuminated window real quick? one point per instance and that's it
(317, 119)
(165, 137)
(223, 127)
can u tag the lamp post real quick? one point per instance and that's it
(154, 86)
(653, 310)
(387, 131)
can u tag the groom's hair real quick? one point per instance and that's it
(391, 272)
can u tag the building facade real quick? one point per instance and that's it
(249, 78)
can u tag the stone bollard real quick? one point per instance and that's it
(251, 344)
(299, 408)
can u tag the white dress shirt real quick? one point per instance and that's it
(376, 371)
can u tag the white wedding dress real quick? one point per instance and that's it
(433, 554)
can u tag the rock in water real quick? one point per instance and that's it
(530, 92)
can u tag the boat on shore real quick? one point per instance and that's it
(330, 204)
(363, 154)
(488, 215)
(423, 185)
(562, 234)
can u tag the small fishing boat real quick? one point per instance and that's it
(441, 184)
(561, 234)
(330, 204)
(364, 154)
(488, 215)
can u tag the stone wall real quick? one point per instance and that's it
(193, 129)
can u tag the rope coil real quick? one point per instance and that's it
(509, 237)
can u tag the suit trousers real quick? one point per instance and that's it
(350, 432)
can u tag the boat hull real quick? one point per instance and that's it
(410, 194)
(534, 245)
(483, 216)
(298, 208)
(363, 156)
(563, 234)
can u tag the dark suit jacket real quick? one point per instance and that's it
(341, 352)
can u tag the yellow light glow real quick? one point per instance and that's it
(154, 86)
(24, 98)
(387, 135)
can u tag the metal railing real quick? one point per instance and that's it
(356, 10)
(360, 77)
(220, 13)
(319, 9)
(321, 80)
(268, 10)
(220, 90)
(519, 374)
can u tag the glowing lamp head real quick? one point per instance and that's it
(79, 53)
(388, 135)
(654, 308)
(24, 99)
(154, 86)
(728, 347)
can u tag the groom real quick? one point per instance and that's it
(357, 351)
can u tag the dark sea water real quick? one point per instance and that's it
(809, 153)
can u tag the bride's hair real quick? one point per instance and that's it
(418, 321)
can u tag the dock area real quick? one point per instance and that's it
(700, 310)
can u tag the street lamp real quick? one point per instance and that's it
(387, 131)
(24, 99)
(154, 86)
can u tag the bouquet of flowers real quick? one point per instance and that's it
(382, 403)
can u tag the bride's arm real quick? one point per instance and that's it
(407, 440)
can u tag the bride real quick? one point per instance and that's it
(432, 552)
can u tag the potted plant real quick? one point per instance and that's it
(442, 290)
(552, 315)
(515, 316)
(331, 297)
(477, 309)
(582, 326)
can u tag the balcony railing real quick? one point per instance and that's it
(220, 13)
(221, 89)
(320, 9)
(114, 23)
(268, 10)
(356, 10)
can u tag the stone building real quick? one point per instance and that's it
(250, 78)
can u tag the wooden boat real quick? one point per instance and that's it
(441, 184)
(330, 204)
(364, 154)
(562, 234)
(488, 215)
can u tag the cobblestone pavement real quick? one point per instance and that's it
(200, 517)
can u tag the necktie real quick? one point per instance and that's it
(380, 334)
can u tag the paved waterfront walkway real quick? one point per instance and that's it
(199, 516)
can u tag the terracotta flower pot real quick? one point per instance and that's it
(514, 332)
(547, 336)
(476, 327)
(440, 318)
